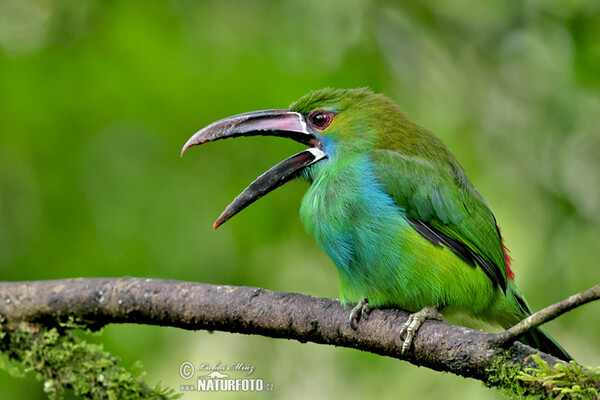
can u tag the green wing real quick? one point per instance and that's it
(442, 205)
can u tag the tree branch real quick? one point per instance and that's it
(547, 314)
(100, 301)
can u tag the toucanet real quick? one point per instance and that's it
(393, 209)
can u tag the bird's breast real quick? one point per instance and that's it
(354, 220)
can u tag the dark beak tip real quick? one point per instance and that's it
(194, 141)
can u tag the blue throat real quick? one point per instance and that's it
(356, 223)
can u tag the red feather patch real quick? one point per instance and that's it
(507, 259)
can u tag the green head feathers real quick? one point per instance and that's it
(359, 117)
(363, 120)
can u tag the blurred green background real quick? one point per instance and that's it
(97, 98)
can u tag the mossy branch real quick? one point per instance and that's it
(438, 345)
(62, 361)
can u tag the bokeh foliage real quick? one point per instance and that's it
(97, 98)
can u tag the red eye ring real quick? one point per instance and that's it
(320, 119)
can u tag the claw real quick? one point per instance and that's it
(361, 310)
(414, 322)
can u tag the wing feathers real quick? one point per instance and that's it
(444, 208)
(460, 249)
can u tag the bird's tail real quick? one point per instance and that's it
(541, 340)
(536, 337)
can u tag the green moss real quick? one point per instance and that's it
(544, 382)
(504, 379)
(563, 381)
(63, 362)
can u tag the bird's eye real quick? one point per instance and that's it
(321, 119)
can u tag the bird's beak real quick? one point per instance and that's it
(283, 123)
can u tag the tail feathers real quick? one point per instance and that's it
(539, 339)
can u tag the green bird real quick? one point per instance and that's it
(393, 209)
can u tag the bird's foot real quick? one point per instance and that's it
(361, 310)
(414, 322)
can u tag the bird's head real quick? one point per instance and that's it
(331, 122)
(347, 120)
